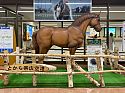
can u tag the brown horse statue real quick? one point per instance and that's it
(70, 37)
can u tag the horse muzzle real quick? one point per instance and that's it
(98, 28)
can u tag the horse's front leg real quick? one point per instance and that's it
(72, 52)
(42, 51)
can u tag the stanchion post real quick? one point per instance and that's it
(34, 76)
(100, 68)
(6, 63)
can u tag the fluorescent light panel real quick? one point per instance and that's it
(100, 7)
(26, 7)
(110, 11)
(2, 11)
(25, 11)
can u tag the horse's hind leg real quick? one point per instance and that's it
(42, 51)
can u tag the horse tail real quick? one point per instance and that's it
(34, 42)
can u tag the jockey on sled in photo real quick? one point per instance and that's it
(62, 10)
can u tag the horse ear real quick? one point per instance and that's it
(98, 13)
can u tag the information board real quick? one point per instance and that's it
(6, 39)
(93, 46)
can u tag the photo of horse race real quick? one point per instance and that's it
(60, 9)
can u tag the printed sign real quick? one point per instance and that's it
(6, 39)
(27, 67)
(60, 9)
(91, 49)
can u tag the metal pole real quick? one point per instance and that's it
(62, 48)
(39, 24)
(107, 31)
(21, 32)
(6, 14)
(85, 46)
(16, 24)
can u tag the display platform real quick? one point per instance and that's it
(112, 80)
(63, 90)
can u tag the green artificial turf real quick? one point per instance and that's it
(61, 81)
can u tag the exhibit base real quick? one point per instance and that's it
(63, 90)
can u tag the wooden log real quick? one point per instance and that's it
(6, 62)
(58, 55)
(88, 75)
(106, 59)
(62, 55)
(61, 73)
(69, 69)
(121, 67)
(99, 67)
(34, 77)
(109, 59)
(22, 60)
(116, 53)
(17, 57)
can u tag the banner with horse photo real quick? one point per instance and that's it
(50, 10)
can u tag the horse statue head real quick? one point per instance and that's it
(70, 37)
(95, 23)
(88, 19)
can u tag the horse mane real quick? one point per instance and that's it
(83, 17)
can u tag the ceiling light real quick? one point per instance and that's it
(110, 11)
(78, 3)
(12, 12)
(25, 11)
(43, 3)
(100, 7)
(2, 11)
(26, 7)
(1, 7)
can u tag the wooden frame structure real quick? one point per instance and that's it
(70, 63)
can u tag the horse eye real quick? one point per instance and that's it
(98, 19)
